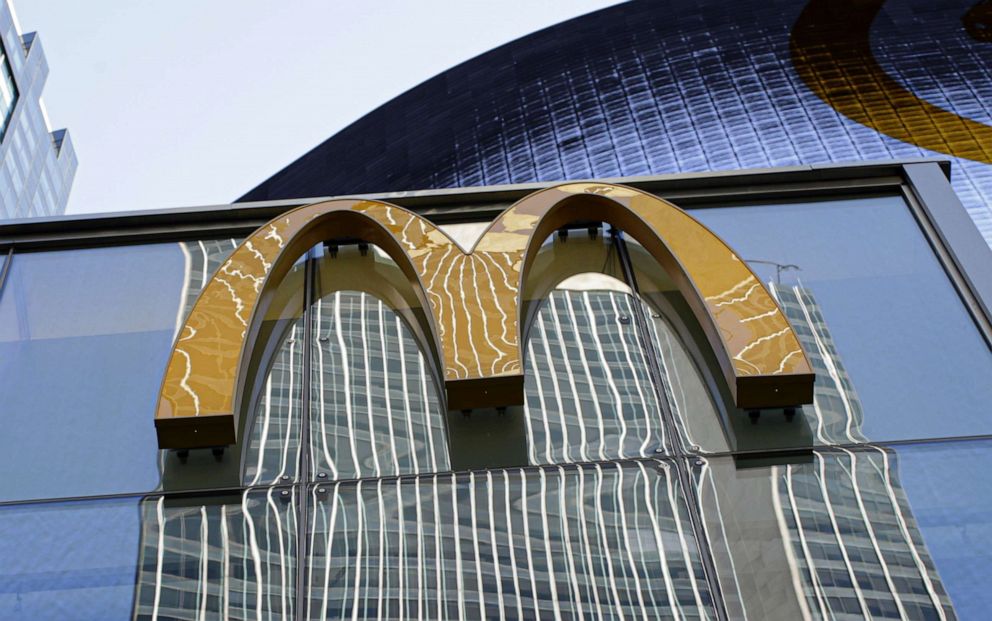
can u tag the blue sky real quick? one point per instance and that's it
(192, 103)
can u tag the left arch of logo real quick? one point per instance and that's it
(474, 303)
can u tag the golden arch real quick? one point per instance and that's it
(474, 304)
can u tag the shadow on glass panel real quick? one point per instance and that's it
(375, 398)
(608, 541)
(833, 538)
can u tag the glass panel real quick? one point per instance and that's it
(951, 500)
(589, 391)
(232, 561)
(686, 387)
(609, 541)
(896, 532)
(375, 407)
(84, 339)
(69, 560)
(894, 348)
(164, 558)
(693, 384)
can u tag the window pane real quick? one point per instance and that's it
(69, 560)
(590, 396)
(605, 541)
(84, 339)
(896, 532)
(375, 407)
(232, 560)
(8, 92)
(948, 491)
(897, 356)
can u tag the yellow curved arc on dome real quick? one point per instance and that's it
(474, 301)
(831, 51)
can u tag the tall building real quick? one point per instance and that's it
(37, 164)
(848, 530)
(646, 88)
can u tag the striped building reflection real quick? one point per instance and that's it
(597, 527)
(852, 547)
(227, 560)
(835, 415)
(588, 385)
(605, 540)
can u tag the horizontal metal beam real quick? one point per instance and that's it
(451, 205)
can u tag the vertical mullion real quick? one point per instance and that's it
(657, 381)
(6, 268)
(303, 468)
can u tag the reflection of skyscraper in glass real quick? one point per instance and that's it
(835, 414)
(237, 558)
(831, 539)
(851, 544)
(590, 396)
(607, 539)
(375, 407)
(853, 541)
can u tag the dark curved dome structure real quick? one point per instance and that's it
(683, 86)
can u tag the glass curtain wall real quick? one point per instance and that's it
(642, 491)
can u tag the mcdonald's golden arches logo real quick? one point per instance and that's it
(473, 299)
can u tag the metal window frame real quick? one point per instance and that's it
(923, 183)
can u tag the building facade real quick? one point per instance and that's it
(626, 484)
(37, 164)
(645, 88)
